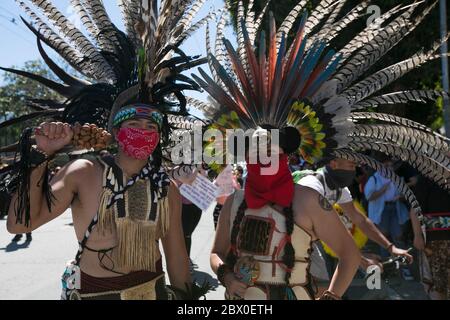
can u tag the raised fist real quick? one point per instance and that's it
(53, 136)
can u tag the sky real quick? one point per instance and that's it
(19, 44)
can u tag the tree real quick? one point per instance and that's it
(426, 77)
(14, 95)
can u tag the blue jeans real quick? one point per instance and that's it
(390, 226)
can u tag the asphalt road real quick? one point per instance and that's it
(31, 271)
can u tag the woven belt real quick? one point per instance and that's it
(144, 291)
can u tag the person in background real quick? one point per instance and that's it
(237, 184)
(386, 210)
(239, 174)
(435, 203)
(294, 162)
(190, 217)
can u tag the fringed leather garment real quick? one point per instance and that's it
(139, 211)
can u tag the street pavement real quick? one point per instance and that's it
(31, 271)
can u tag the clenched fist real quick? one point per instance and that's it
(53, 136)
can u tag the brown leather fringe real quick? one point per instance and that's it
(106, 217)
(138, 249)
(163, 217)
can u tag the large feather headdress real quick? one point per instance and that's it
(321, 92)
(144, 63)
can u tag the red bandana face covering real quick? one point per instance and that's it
(137, 143)
(267, 189)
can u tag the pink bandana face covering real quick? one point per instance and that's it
(137, 143)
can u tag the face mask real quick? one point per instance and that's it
(276, 188)
(137, 143)
(340, 178)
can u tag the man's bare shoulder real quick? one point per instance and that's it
(305, 194)
(81, 170)
(83, 166)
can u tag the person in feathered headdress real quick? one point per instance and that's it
(122, 205)
(309, 96)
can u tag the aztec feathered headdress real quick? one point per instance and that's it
(323, 93)
(143, 64)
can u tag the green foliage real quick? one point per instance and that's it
(14, 93)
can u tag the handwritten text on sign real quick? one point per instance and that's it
(201, 192)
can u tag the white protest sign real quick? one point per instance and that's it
(201, 192)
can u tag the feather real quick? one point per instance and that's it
(289, 21)
(257, 23)
(319, 12)
(182, 122)
(64, 76)
(249, 21)
(61, 89)
(208, 109)
(371, 31)
(389, 118)
(435, 171)
(220, 49)
(232, 88)
(382, 78)
(107, 38)
(66, 28)
(218, 93)
(29, 116)
(194, 28)
(191, 13)
(147, 31)
(49, 37)
(334, 14)
(246, 85)
(171, 13)
(242, 53)
(382, 43)
(85, 18)
(401, 97)
(182, 172)
(130, 17)
(209, 52)
(416, 140)
(328, 33)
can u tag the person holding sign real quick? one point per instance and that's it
(227, 183)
